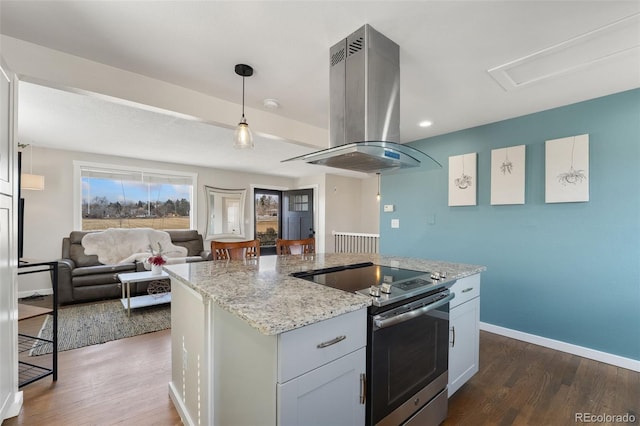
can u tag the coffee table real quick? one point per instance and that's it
(141, 301)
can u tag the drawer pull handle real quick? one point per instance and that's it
(331, 342)
(453, 332)
(363, 389)
(467, 289)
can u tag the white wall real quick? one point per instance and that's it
(49, 213)
(369, 206)
(350, 206)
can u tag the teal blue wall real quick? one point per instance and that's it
(568, 271)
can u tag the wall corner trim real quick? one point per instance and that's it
(605, 357)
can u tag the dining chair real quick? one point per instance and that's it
(304, 246)
(234, 250)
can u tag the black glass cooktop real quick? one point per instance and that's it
(362, 276)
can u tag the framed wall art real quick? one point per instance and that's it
(508, 175)
(463, 180)
(567, 169)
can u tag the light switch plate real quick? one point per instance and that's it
(395, 223)
(389, 208)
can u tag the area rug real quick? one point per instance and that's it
(93, 324)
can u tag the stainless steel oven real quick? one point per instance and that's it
(407, 342)
(407, 362)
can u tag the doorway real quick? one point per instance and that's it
(282, 214)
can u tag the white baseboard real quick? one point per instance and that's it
(180, 407)
(12, 407)
(628, 363)
(29, 293)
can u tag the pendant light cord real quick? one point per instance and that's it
(243, 96)
(30, 159)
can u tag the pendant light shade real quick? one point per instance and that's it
(243, 139)
(378, 194)
(29, 180)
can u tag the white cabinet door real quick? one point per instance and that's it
(189, 370)
(464, 343)
(7, 126)
(329, 395)
(10, 397)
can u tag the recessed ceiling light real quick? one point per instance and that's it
(425, 123)
(270, 103)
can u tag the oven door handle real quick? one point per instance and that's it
(388, 322)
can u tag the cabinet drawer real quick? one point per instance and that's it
(309, 347)
(465, 289)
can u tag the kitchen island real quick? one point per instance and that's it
(240, 331)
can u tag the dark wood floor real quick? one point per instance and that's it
(126, 382)
(524, 384)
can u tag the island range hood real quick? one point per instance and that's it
(364, 108)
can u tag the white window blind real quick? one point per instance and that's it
(135, 176)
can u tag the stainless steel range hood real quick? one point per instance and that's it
(364, 108)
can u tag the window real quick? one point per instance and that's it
(119, 197)
(299, 203)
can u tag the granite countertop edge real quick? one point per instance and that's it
(266, 297)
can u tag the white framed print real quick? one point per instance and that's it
(508, 175)
(567, 169)
(463, 180)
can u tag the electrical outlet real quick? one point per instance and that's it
(395, 223)
(389, 208)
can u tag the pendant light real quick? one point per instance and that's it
(378, 194)
(29, 180)
(242, 138)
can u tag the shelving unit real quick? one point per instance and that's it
(29, 372)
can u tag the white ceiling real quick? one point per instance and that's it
(446, 51)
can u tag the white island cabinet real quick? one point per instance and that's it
(225, 372)
(251, 344)
(464, 327)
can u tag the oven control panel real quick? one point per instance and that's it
(388, 293)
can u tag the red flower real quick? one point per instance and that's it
(157, 260)
(156, 257)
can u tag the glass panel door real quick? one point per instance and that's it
(267, 219)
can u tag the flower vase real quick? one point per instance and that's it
(156, 269)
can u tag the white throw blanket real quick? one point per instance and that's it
(116, 245)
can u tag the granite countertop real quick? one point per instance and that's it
(263, 293)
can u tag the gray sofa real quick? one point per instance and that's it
(82, 278)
